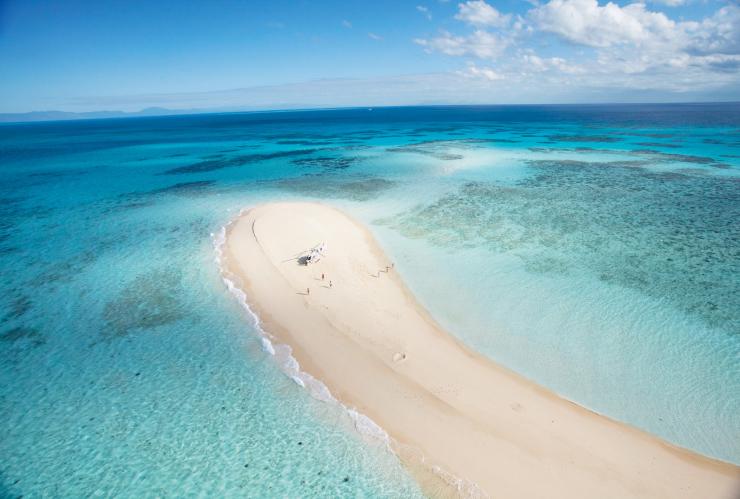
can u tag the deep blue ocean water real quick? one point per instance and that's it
(594, 249)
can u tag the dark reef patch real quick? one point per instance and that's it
(583, 138)
(185, 188)
(137, 199)
(13, 212)
(572, 163)
(595, 150)
(357, 188)
(671, 235)
(658, 144)
(579, 149)
(311, 143)
(350, 146)
(134, 204)
(17, 306)
(8, 491)
(648, 156)
(327, 162)
(19, 333)
(53, 174)
(438, 149)
(304, 136)
(669, 157)
(692, 171)
(149, 301)
(65, 271)
(439, 129)
(232, 162)
(652, 135)
(503, 141)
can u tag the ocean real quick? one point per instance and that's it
(593, 249)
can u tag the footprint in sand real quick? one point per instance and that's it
(399, 357)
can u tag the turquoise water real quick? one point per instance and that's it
(594, 249)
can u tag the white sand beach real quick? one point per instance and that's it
(378, 351)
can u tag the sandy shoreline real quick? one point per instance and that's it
(379, 351)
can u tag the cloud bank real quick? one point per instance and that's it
(594, 46)
(552, 51)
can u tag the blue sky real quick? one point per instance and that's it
(127, 55)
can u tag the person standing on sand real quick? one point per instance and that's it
(308, 291)
(330, 284)
(322, 277)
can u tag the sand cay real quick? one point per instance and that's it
(378, 351)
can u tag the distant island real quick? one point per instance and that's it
(91, 115)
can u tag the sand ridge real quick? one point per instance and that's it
(379, 351)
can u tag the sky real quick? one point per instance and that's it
(75, 55)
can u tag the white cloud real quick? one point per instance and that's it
(374, 36)
(632, 39)
(473, 71)
(539, 64)
(718, 33)
(612, 48)
(346, 24)
(587, 23)
(481, 44)
(670, 3)
(424, 10)
(479, 13)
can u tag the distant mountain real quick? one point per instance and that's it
(65, 115)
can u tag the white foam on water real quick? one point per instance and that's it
(463, 487)
(367, 426)
(267, 346)
(318, 390)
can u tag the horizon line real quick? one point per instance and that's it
(6, 118)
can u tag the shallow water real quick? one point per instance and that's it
(594, 249)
